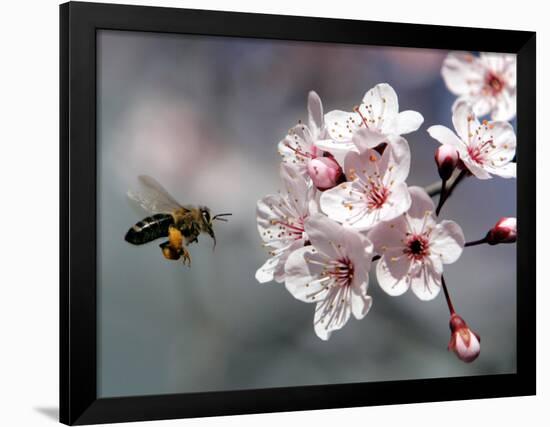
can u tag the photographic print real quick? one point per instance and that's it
(277, 213)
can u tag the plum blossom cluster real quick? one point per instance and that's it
(346, 210)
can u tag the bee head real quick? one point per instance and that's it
(207, 221)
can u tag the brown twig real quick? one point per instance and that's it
(442, 196)
(476, 242)
(435, 188)
(447, 296)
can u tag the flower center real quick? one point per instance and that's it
(417, 247)
(494, 84)
(290, 227)
(478, 153)
(341, 272)
(475, 154)
(376, 195)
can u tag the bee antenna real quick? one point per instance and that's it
(218, 217)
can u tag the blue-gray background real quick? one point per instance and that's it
(203, 115)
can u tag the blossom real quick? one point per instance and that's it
(376, 190)
(331, 272)
(464, 342)
(378, 112)
(281, 222)
(485, 148)
(504, 231)
(325, 172)
(298, 147)
(446, 158)
(413, 249)
(488, 82)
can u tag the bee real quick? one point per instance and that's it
(182, 225)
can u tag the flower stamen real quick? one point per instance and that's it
(417, 247)
(493, 84)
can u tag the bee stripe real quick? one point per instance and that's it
(148, 229)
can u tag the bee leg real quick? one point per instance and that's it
(172, 249)
(186, 256)
(176, 243)
(168, 252)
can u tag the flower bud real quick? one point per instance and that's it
(325, 172)
(464, 342)
(446, 158)
(504, 231)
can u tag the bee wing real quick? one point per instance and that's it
(152, 196)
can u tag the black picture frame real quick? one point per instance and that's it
(79, 403)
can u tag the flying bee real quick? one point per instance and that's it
(181, 224)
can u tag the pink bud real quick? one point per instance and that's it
(446, 158)
(464, 342)
(325, 172)
(504, 231)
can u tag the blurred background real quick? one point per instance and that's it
(203, 115)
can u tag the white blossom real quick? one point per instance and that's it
(413, 249)
(485, 148)
(332, 272)
(376, 190)
(488, 82)
(281, 219)
(298, 147)
(378, 113)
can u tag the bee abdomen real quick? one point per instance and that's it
(149, 229)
